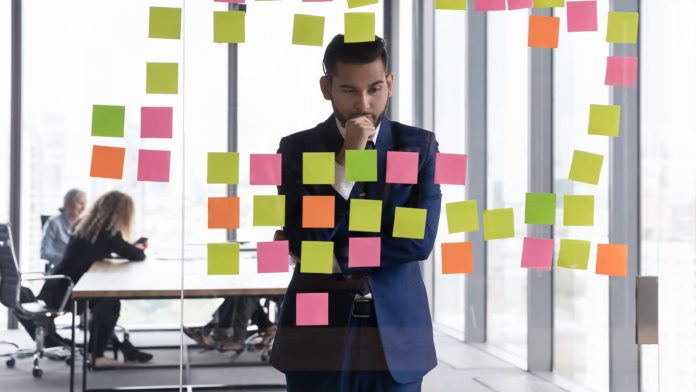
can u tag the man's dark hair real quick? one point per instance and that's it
(354, 53)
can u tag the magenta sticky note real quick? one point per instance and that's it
(153, 165)
(272, 256)
(582, 16)
(265, 169)
(402, 167)
(537, 253)
(520, 4)
(156, 122)
(312, 309)
(622, 71)
(450, 169)
(364, 251)
(490, 5)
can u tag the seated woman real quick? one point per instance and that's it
(97, 236)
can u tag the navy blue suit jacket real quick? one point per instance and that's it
(399, 295)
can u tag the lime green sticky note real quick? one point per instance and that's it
(108, 120)
(365, 215)
(316, 257)
(578, 210)
(498, 224)
(229, 26)
(162, 78)
(604, 120)
(318, 168)
(462, 216)
(574, 254)
(360, 27)
(223, 259)
(409, 223)
(361, 165)
(450, 5)
(165, 22)
(223, 168)
(586, 167)
(540, 209)
(308, 30)
(549, 3)
(622, 28)
(360, 3)
(269, 210)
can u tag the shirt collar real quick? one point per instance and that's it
(342, 130)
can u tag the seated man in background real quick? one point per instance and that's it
(57, 230)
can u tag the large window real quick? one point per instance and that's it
(5, 37)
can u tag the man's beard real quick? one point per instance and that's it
(374, 119)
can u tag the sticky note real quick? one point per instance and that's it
(317, 257)
(457, 258)
(364, 251)
(540, 209)
(498, 224)
(578, 210)
(311, 309)
(537, 253)
(402, 167)
(229, 26)
(265, 169)
(582, 16)
(223, 168)
(318, 168)
(622, 28)
(365, 215)
(153, 165)
(454, 5)
(622, 71)
(360, 3)
(156, 122)
(107, 162)
(549, 3)
(272, 256)
(223, 259)
(605, 120)
(162, 78)
(612, 259)
(269, 210)
(165, 22)
(361, 165)
(586, 167)
(108, 121)
(450, 169)
(359, 27)
(223, 212)
(462, 216)
(543, 31)
(409, 223)
(318, 212)
(308, 30)
(574, 254)
(520, 4)
(490, 5)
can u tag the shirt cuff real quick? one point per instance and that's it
(342, 186)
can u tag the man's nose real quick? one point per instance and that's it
(362, 103)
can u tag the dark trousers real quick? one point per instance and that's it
(105, 313)
(236, 312)
(51, 337)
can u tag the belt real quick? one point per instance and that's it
(363, 307)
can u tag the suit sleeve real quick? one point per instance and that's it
(125, 249)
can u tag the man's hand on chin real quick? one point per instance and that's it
(358, 131)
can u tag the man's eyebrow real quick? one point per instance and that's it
(371, 85)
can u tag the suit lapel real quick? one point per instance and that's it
(385, 142)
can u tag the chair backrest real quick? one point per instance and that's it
(9, 270)
(44, 219)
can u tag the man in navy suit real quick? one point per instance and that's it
(379, 334)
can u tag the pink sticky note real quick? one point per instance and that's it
(265, 169)
(153, 165)
(312, 309)
(537, 253)
(156, 122)
(490, 5)
(520, 4)
(272, 256)
(621, 71)
(364, 251)
(450, 169)
(582, 16)
(402, 167)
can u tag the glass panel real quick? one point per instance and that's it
(404, 82)
(5, 79)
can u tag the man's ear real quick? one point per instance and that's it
(325, 85)
(390, 83)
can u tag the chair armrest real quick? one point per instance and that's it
(34, 273)
(68, 292)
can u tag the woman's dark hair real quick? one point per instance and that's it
(354, 53)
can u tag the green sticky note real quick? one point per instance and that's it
(540, 209)
(365, 215)
(361, 165)
(549, 3)
(108, 120)
(604, 120)
(308, 30)
(360, 27)
(578, 210)
(450, 5)
(165, 22)
(462, 216)
(574, 254)
(318, 168)
(498, 224)
(229, 27)
(317, 257)
(586, 167)
(360, 3)
(622, 28)
(223, 168)
(409, 223)
(223, 259)
(162, 78)
(269, 210)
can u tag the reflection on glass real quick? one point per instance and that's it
(5, 36)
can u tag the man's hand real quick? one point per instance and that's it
(358, 131)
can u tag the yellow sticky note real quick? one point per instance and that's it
(578, 210)
(162, 78)
(586, 167)
(316, 257)
(574, 254)
(622, 28)
(462, 216)
(549, 3)
(165, 23)
(409, 223)
(223, 168)
(498, 224)
(229, 26)
(365, 215)
(269, 210)
(605, 120)
(318, 168)
(359, 26)
(223, 259)
(360, 3)
(457, 5)
(308, 30)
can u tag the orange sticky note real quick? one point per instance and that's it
(543, 31)
(457, 258)
(223, 212)
(107, 162)
(318, 212)
(612, 259)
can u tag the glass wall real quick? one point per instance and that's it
(404, 79)
(5, 79)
